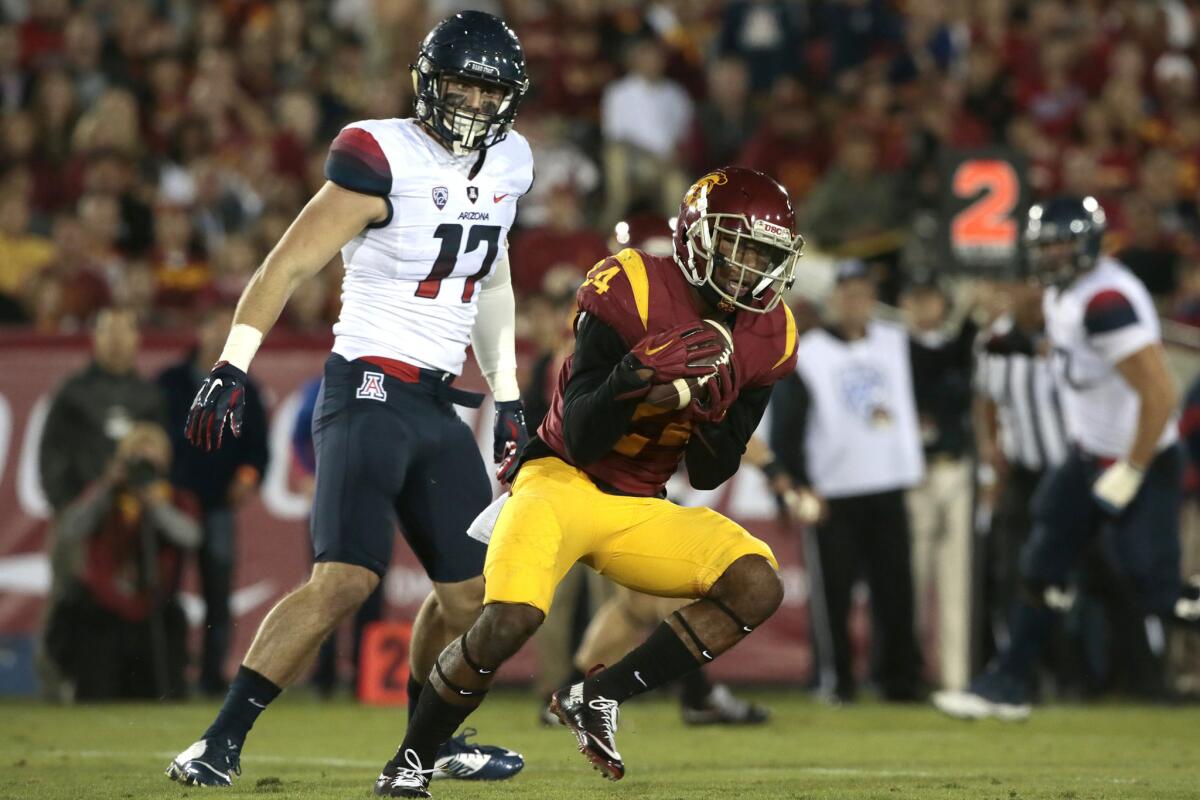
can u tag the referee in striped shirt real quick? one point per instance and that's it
(1019, 434)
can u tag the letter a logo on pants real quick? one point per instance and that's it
(372, 387)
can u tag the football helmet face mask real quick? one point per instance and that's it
(474, 48)
(734, 240)
(1062, 239)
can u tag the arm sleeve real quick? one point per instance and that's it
(82, 516)
(789, 418)
(493, 338)
(715, 451)
(175, 525)
(597, 407)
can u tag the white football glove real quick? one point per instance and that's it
(1117, 486)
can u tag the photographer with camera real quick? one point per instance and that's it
(94, 409)
(115, 627)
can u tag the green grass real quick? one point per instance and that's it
(305, 749)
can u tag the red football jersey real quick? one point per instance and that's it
(637, 294)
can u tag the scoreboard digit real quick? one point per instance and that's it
(984, 201)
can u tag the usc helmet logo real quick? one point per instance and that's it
(707, 182)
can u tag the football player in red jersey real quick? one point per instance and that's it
(589, 485)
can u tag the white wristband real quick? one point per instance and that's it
(241, 346)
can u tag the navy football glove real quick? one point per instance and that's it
(508, 437)
(222, 397)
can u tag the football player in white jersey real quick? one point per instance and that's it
(1122, 480)
(420, 209)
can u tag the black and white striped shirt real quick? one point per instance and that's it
(1011, 373)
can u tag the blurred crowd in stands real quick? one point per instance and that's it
(152, 151)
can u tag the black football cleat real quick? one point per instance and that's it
(411, 781)
(593, 720)
(208, 762)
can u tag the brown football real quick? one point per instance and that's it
(680, 392)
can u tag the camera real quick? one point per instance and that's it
(141, 472)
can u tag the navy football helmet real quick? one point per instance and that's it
(473, 46)
(1062, 239)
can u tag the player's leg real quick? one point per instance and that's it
(446, 488)
(620, 624)
(555, 642)
(528, 554)
(1145, 544)
(836, 563)
(428, 638)
(352, 526)
(462, 675)
(954, 577)
(1064, 519)
(292, 632)
(670, 551)
(889, 575)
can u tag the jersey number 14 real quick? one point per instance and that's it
(451, 235)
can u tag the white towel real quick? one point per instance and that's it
(481, 528)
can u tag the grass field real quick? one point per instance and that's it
(302, 748)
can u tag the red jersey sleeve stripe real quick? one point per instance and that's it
(356, 162)
(1108, 311)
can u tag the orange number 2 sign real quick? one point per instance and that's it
(987, 223)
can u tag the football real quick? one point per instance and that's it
(680, 392)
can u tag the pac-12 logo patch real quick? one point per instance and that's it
(440, 195)
(472, 193)
(372, 387)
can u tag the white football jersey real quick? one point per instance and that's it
(412, 281)
(1100, 319)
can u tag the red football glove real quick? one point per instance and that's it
(679, 352)
(722, 391)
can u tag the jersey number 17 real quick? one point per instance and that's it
(451, 234)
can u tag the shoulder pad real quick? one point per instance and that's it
(617, 292)
(357, 162)
(766, 348)
(519, 157)
(1107, 310)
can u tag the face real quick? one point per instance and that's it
(1052, 261)
(926, 307)
(115, 340)
(853, 301)
(471, 96)
(733, 254)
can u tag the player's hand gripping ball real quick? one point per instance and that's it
(709, 388)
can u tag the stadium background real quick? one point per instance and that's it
(151, 152)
